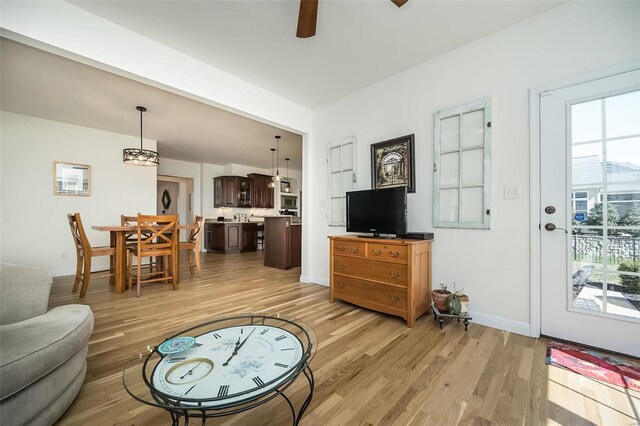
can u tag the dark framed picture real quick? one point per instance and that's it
(392, 164)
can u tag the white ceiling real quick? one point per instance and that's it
(357, 42)
(40, 84)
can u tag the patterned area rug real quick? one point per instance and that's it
(595, 364)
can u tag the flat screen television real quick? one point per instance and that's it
(377, 211)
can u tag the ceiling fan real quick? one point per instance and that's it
(309, 15)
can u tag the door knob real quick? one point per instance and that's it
(553, 227)
(549, 210)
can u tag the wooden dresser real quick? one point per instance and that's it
(391, 276)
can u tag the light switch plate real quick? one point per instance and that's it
(512, 192)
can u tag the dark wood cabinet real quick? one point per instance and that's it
(262, 195)
(231, 237)
(231, 191)
(282, 242)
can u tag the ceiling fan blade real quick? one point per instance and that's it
(307, 18)
(399, 3)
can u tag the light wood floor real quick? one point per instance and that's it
(369, 369)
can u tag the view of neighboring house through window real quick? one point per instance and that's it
(605, 197)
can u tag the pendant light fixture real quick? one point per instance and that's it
(277, 176)
(139, 156)
(272, 184)
(288, 187)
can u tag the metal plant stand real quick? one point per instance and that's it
(439, 316)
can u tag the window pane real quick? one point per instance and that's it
(473, 128)
(337, 208)
(621, 294)
(473, 167)
(581, 205)
(586, 166)
(449, 169)
(347, 156)
(623, 114)
(472, 205)
(586, 288)
(336, 190)
(450, 133)
(335, 159)
(347, 181)
(623, 165)
(586, 121)
(449, 205)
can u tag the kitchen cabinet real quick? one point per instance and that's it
(231, 237)
(231, 191)
(282, 242)
(261, 195)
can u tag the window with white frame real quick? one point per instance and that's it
(341, 161)
(462, 166)
(580, 201)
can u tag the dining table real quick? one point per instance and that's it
(118, 238)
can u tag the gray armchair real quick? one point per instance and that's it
(43, 354)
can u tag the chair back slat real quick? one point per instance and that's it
(195, 234)
(156, 233)
(80, 239)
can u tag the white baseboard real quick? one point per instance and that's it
(501, 323)
(72, 271)
(314, 280)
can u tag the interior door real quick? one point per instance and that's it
(590, 200)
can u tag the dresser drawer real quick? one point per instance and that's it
(387, 272)
(387, 252)
(387, 295)
(349, 248)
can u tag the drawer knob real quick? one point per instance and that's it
(341, 285)
(394, 298)
(394, 253)
(377, 252)
(394, 274)
(341, 248)
(365, 284)
(355, 249)
(341, 266)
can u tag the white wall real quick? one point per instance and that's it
(34, 223)
(493, 265)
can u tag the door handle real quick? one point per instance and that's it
(553, 227)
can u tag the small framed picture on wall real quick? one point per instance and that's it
(392, 164)
(71, 179)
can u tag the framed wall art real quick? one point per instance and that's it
(392, 164)
(71, 179)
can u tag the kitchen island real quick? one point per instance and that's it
(282, 242)
(230, 237)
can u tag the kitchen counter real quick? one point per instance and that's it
(282, 242)
(230, 237)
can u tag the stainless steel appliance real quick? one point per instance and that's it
(289, 202)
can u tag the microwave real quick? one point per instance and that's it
(288, 202)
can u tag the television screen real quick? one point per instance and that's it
(377, 211)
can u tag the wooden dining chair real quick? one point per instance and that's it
(132, 239)
(157, 236)
(194, 244)
(84, 253)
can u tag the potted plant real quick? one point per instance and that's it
(457, 302)
(439, 297)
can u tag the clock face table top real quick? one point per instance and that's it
(235, 363)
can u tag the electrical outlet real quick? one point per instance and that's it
(63, 255)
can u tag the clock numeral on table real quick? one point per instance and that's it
(277, 364)
(177, 359)
(258, 381)
(223, 391)
(190, 389)
(197, 345)
(286, 349)
(216, 335)
(281, 337)
(264, 331)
